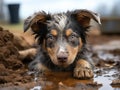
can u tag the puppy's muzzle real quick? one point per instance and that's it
(62, 57)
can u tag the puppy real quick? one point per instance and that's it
(62, 41)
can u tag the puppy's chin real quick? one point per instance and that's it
(62, 64)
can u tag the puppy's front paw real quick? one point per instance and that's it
(83, 70)
(83, 73)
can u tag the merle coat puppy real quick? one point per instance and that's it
(62, 41)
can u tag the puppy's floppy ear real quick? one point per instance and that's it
(84, 16)
(36, 22)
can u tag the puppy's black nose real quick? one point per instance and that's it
(62, 57)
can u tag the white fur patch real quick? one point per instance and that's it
(59, 20)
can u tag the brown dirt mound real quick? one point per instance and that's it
(12, 69)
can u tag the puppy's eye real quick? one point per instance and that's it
(73, 39)
(73, 36)
(50, 40)
(50, 37)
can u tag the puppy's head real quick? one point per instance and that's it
(62, 35)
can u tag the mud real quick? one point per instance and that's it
(14, 74)
(12, 69)
(115, 83)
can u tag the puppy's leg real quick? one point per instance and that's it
(37, 66)
(27, 53)
(83, 70)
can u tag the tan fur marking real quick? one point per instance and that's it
(35, 27)
(80, 41)
(52, 53)
(84, 21)
(43, 45)
(83, 63)
(68, 32)
(72, 53)
(54, 32)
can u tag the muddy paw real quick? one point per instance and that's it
(83, 72)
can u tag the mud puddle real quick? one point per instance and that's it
(65, 81)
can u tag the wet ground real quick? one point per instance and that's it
(105, 53)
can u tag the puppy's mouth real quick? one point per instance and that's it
(62, 59)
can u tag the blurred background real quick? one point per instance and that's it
(13, 12)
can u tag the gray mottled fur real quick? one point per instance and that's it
(59, 20)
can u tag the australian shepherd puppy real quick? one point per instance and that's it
(62, 41)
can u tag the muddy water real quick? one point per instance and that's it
(65, 81)
(106, 80)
